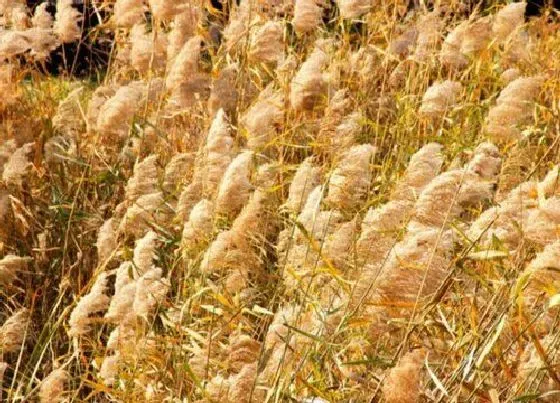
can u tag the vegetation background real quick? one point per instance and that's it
(279, 201)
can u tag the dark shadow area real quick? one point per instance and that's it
(535, 7)
(90, 56)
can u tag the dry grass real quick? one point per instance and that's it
(308, 211)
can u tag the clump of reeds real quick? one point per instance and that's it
(67, 22)
(53, 386)
(14, 331)
(440, 98)
(350, 180)
(278, 200)
(403, 382)
(94, 302)
(514, 107)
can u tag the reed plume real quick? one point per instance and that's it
(143, 180)
(148, 50)
(235, 186)
(350, 180)
(116, 114)
(440, 98)
(267, 44)
(264, 119)
(128, 13)
(53, 386)
(14, 331)
(18, 165)
(403, 382)
(41, 17)
(351, 9)
(67, 22)
(309, 86)
(508, 19)
(514, 107)
(10, 266)
(307, 16)
(306, 178)
(94, 302)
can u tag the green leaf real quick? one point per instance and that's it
(526, 398)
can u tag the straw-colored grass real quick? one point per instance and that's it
(302, 202)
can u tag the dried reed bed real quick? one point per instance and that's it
(286, 202)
